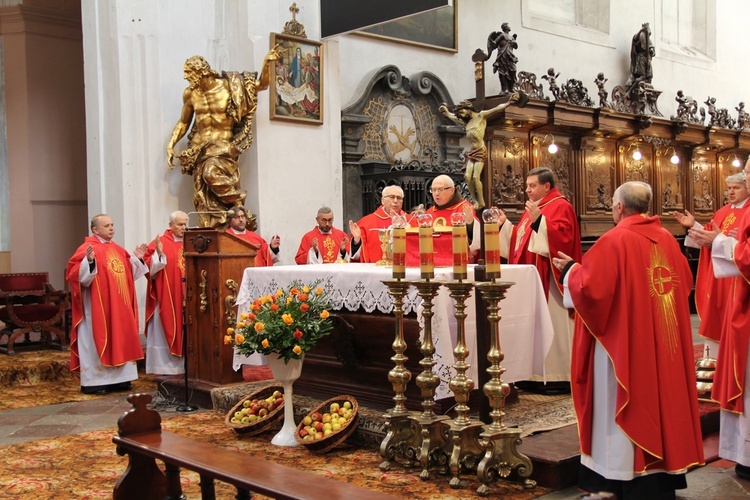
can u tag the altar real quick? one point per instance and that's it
(525, 328)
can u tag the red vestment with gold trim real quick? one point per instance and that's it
(329, 245)
(731, 363)
(563, 235)
(166, 289)
(114, 307)
(371, 246)
(631, 295)
(263, 257)
(713, 297)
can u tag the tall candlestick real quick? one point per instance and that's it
(399, 252)
(426, 247)
(460, 246)
(491, 243)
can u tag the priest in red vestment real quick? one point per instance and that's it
(731, 260)
(366, 244)
(712, 295)
(447, 202)
(164, 299)
(267, 255)
(104, 339)
(324, 244)
(548, 225)
(633, 377)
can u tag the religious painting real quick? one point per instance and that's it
(436, 29)
(297, 89)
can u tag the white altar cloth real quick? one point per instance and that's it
(525, 326)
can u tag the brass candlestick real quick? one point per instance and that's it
(501, 455)
(402, 430)
(464, 431)
(433, 435)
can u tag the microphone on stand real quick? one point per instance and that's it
(185, 406)
(228, 213)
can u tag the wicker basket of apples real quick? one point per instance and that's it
(329, 424)
(257, 412)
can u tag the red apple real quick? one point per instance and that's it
(262, 412)
(319, 426)
(316, 416)
(303, 433)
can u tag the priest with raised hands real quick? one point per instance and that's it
(164, 299)
(731, 260)
(104, 339)
(713, 295)
(633, 378)
(324, 244)
(547, 226)
(365, 244)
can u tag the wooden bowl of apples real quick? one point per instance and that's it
(257, 411)
(329, 424)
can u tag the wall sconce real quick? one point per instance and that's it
(552, 148)
(674, 159)
(637, 155)
(736, 162)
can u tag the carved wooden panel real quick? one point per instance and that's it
(599, 182)
(670, 190)
(561, 163)
(509, 162)
(704, 200)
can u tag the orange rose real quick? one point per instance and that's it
(294, 291)
(259, 327)
(304, 307)
(230, 331)
(255, 306)
(227, 339)
(298, 334)
(238, 339)
(265, 343)
(302, 297)
(287, 318)
(297, 350)
(324, 314)
(274, 307)
(318, 291)
(251, 316)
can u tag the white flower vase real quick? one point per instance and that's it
(286, 373)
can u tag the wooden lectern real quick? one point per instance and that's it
(214, 263)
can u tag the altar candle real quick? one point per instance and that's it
(399, 252)
(492, 249)
(460, 247)
(426, 253)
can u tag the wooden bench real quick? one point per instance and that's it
(141, 438)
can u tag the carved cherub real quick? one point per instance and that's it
(551, 77)
(600, 81)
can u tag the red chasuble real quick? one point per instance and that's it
(731, 364)
(631, 295)
(263, 257)
(712, 295)
(166, 289)
(562, 234)
(329, 245)
(114, 310)
(371, 249)
(443, 243)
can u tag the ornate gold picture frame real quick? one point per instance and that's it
(297, 87)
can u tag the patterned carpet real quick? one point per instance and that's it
(53, 468)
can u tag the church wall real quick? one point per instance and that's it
(45, 137)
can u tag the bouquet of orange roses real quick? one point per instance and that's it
(288, 323)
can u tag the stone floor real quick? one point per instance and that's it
(715, 480)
